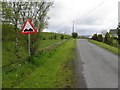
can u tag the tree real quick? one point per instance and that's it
(55, 37)
(94, 37)
(108, 39)
(6, 13)
(100, 38)
(62, 37)
(74, 35)
(40, 20)
(118, 33)
(16, 13)
(11, 15)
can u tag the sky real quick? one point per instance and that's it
(89, 16)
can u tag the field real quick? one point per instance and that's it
(8, 44)
(51, 69)
(105, 46)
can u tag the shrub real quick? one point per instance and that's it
(118, 35)
(62, 37)
(108, 39)
(74, 35)
(114, 38)
(114, 43)
(44, 38)
(94, 37)
(100, 38)
(55, 37)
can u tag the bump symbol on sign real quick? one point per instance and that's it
(28, 28)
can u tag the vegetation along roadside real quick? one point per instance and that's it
(107, 47)
(51, 69)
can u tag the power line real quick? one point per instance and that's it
(93, 8)
(89, 12)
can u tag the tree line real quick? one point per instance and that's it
(118, 32)
(107, 38)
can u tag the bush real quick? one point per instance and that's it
(44, 38)
(114, 43)
(62, 37)
(108, 39)
(118, 36)
(55, 37)
(94, 37)
(115, 38)
(100, 38)
(74, 35)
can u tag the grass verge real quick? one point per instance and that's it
(51, 69)
(105, 46)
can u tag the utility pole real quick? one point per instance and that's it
(118, 12)
(73, 28)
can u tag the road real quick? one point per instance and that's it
(95, 67)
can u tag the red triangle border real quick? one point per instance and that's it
(35, 31)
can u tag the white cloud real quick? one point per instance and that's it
(89, 15)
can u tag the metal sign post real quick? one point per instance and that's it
(28, 28)
(29, 45)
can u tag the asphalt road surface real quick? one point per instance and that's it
(95, 67)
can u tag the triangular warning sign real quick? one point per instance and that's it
(28, 28)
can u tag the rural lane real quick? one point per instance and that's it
(95, 67)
